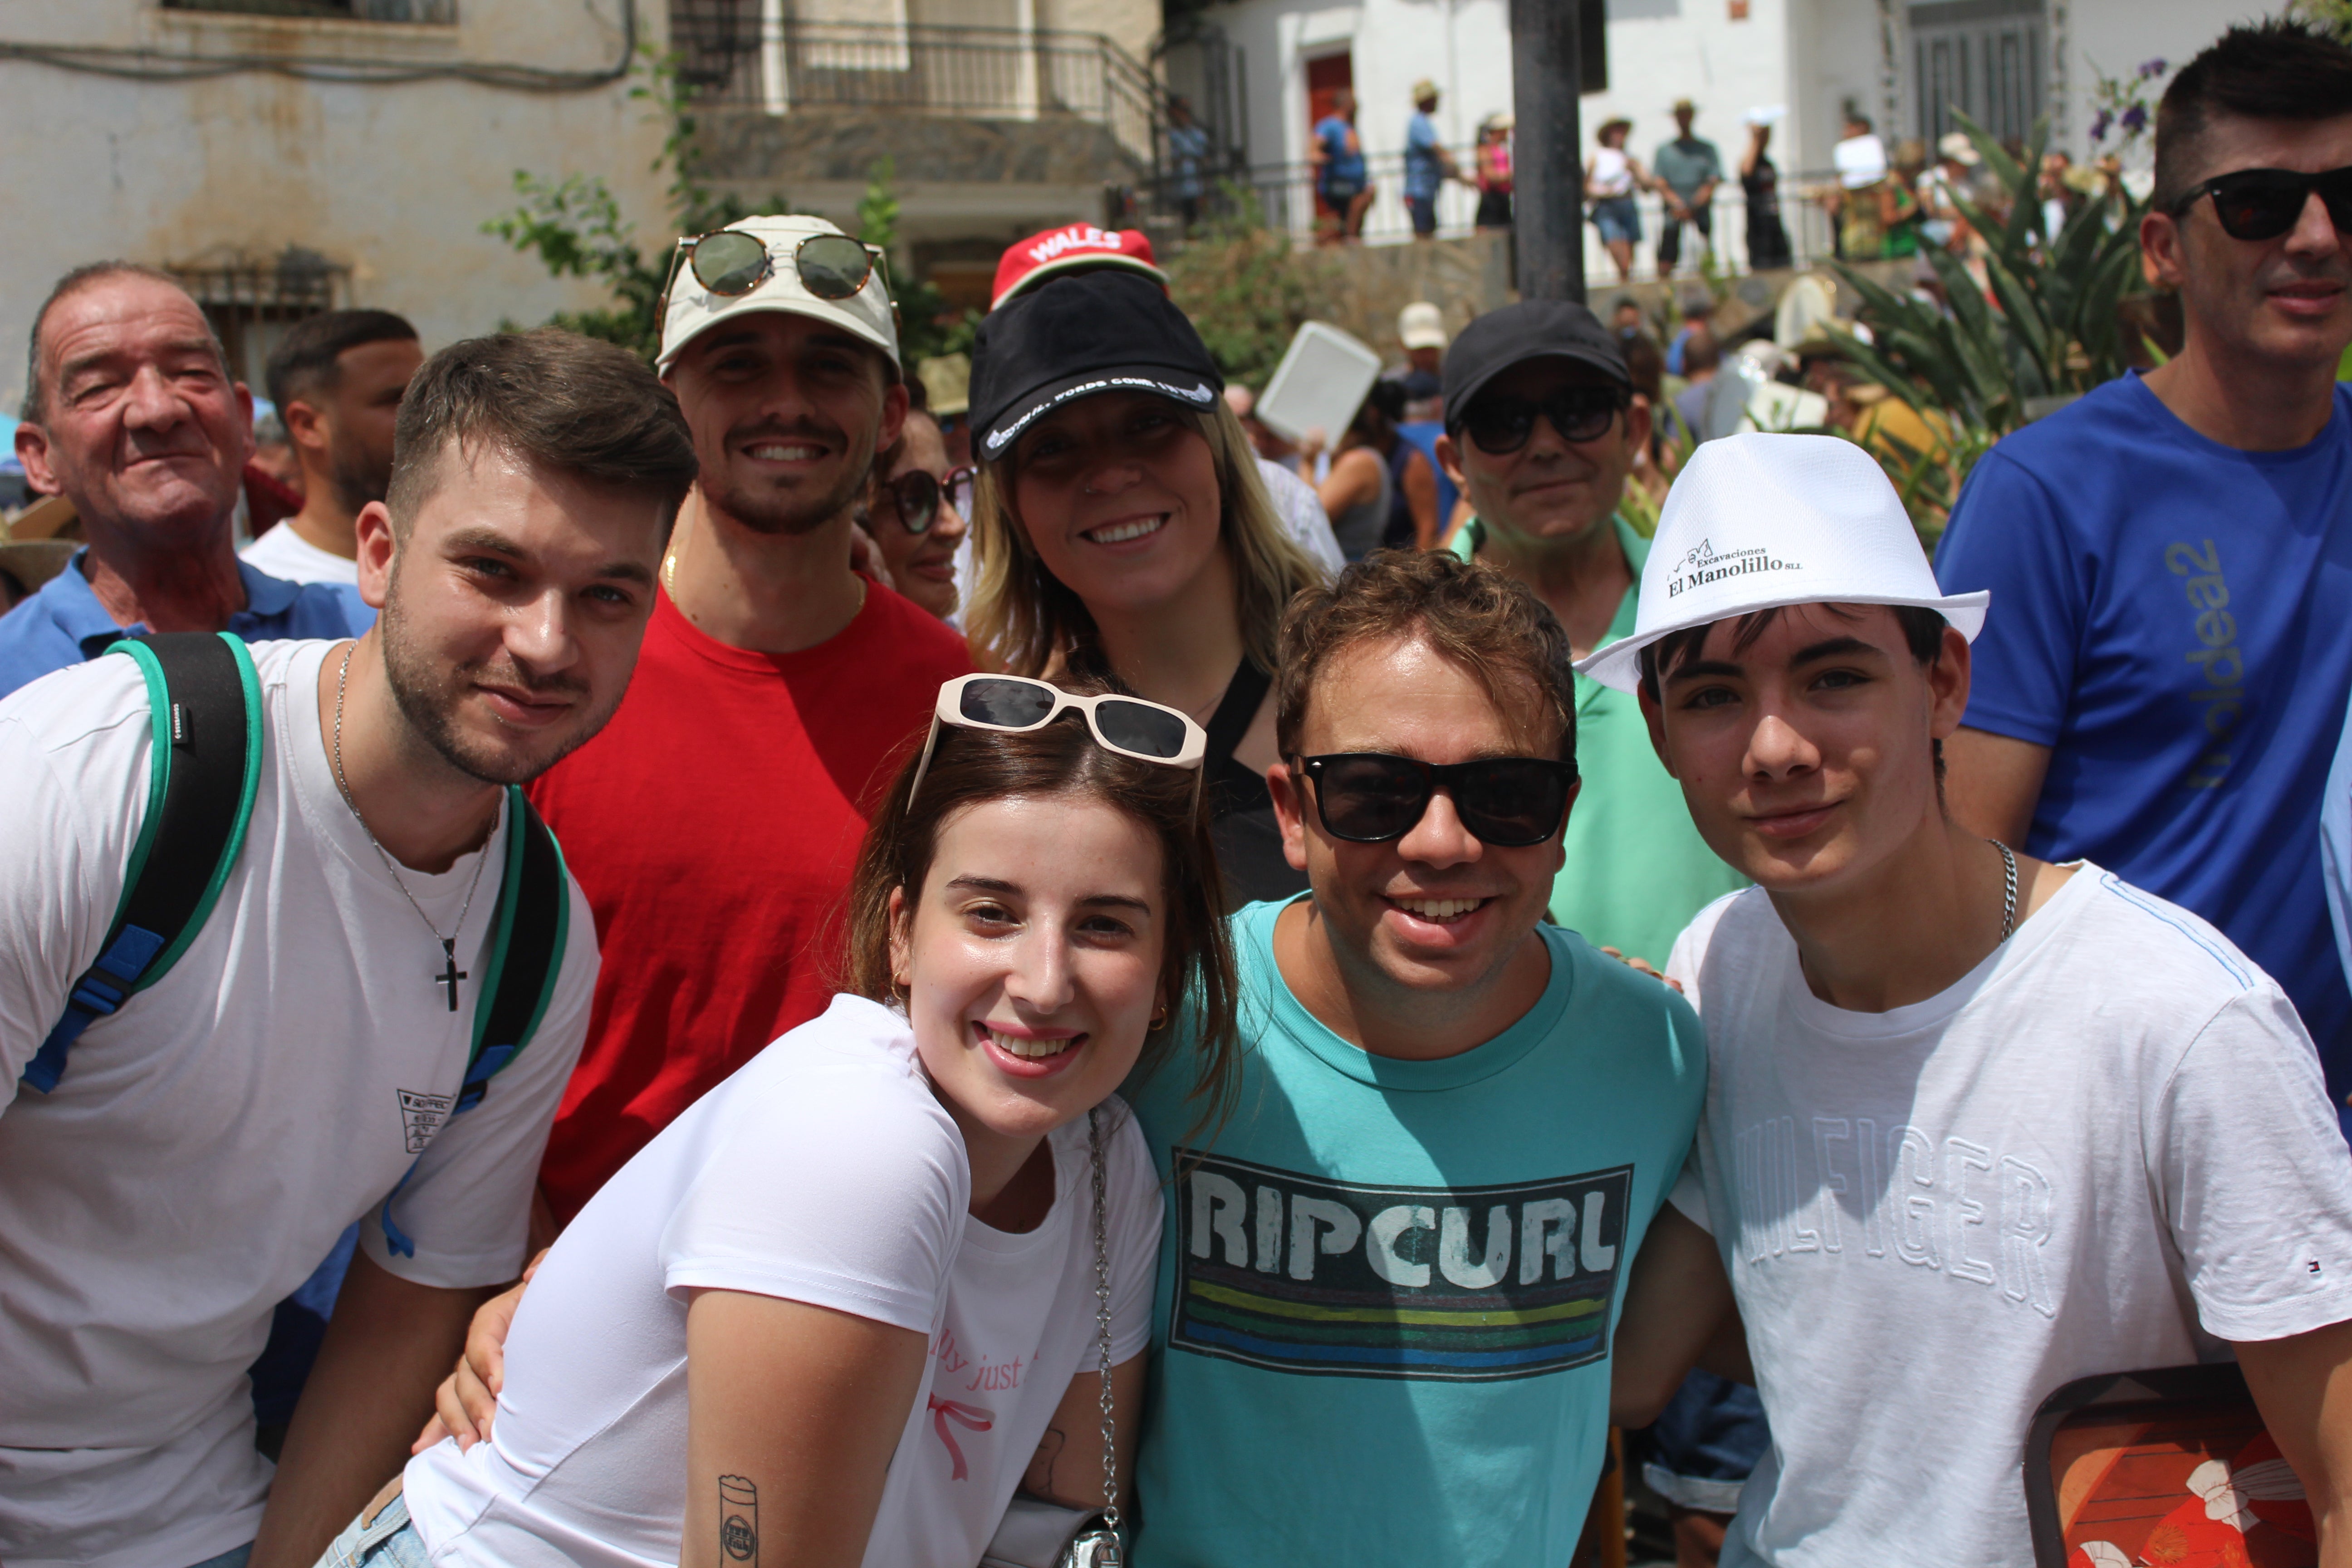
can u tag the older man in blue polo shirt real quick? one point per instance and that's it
(132, 416)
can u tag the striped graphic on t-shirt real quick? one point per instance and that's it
(1461, 1284)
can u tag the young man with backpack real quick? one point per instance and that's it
(1976, 1125)
(259, 976)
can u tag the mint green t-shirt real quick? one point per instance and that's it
(1387, 1288)
(1637, 871)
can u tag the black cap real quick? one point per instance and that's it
(1532, 329)
(1090, 332)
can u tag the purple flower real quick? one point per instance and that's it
(2151, 69)
(2135, 119)
(2099, 124)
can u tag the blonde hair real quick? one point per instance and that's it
(1022, 616)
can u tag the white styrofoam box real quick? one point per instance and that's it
(1320, 385)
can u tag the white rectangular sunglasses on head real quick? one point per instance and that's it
(1011, 704)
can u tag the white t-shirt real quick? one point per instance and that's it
(824, 1171)
(1612, 175)
(2105, 1148)
(1301, 510)
(286, 555)
(210, 1140)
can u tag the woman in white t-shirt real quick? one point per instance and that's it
(1611, 176)
(860, 1293)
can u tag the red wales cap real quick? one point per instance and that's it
(1066, 250)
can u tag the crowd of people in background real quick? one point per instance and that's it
(1066, 970)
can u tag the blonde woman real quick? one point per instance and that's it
(1121, 530)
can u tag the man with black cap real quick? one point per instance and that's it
(1542, 425)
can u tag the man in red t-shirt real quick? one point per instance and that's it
(714, 824)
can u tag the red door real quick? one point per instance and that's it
(1326, 76)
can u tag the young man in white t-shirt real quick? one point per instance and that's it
(1976, 1126)
(337, 379)
(207, 1140)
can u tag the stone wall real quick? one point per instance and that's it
(1465, 277)
(1371, 283)
(815, 144)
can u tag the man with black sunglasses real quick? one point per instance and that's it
(2168, 676)
(1542, 427)
(1390, 1276)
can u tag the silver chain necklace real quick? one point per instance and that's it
(1099, 1547)
(2008, 893)
(450, 974)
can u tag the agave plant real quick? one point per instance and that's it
(2050, 331)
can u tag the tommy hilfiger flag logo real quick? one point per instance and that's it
(1464, 1284)
(421, 1116)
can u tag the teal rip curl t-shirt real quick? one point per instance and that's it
(1387, 1288)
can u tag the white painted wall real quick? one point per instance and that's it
(2115, 38)
(1809, 55)
(392, 181)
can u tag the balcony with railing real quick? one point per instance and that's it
(1283, 197)
(741, 57)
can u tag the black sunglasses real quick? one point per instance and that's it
(2262, 203)
(917, 496)
(1501, 425)
(1368, 797)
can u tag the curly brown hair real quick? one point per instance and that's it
(969, 768)
(1491, 625)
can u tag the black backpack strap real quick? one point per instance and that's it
(534, 922)
(204, 770)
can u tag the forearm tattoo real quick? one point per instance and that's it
(1042, 1482)
(739, 1519)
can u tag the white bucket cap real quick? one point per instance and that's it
(1756, 522)
(693, 310)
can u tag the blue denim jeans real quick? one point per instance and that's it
(1698, 1453)
(386, 1540)
(232, 1559)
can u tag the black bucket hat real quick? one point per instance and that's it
(1076, 337)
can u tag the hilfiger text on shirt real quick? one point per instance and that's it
(1952, 1205)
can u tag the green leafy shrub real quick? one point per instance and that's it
(1248, 290)
(2052, 330)
(574, 226)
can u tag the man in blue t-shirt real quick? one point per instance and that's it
(133, 416)
(2164, 685)
(1341, 182)
(1391, 1277)
(1427, 165)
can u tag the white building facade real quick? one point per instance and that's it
(288, 163)
(1901, 62)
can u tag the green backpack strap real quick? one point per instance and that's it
(203, 769)
(535, 920)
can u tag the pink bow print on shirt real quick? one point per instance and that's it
(971, 1417)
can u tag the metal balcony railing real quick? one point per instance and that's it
(441, 12)
(733, 54)
(1285, 197)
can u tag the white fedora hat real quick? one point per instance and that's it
(1756, 522)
